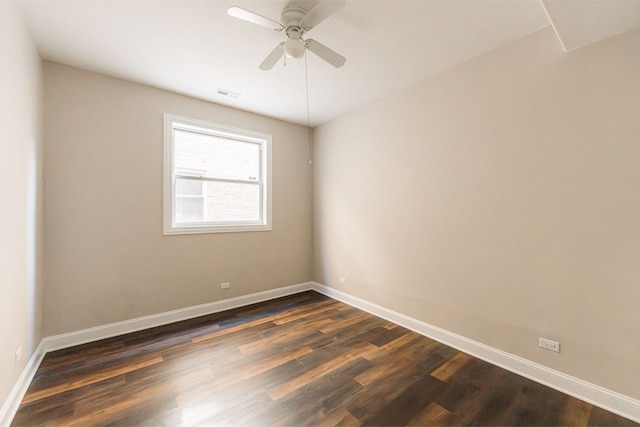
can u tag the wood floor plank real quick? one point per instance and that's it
(395, 345)
(234, 415)
(344, 323)
(452, 366)
(355, 333)
(56, 363)
(600, 417)
(226, 405)
(315, 309)
(221, 347)
(381, 336)
(281, 317)
(339, 417)
(536, 405)
(316, 400)
(455, 395)
(387, 366)
(284, 335)
(125, 411)
(304, 359)
(50, 408)
(361, 349)
(407, 404)
(370, 402)
(493, 396)
(575, 413)
(290, 302)
(87, 380)
(435, 415)
(240, 373)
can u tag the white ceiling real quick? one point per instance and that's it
(579, 23)
(193, 47)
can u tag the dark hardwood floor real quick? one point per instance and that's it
(300, 360)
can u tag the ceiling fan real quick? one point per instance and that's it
(295, 21)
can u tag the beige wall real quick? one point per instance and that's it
(499, 200)
(106, 257)
(21, 195)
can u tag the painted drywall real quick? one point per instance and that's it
(498, 200)
(21, 191)
(107, 259)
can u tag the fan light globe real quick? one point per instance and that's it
(294, 48)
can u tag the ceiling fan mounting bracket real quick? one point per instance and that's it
(291, 19)
(291, 16)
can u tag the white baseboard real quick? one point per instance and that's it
(599, 396)
(10, 407)
(83, 336)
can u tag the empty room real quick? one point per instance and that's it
(319, 212)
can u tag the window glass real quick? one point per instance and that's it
(218, 157)
(232, 202)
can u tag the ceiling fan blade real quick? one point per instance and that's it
(273, 57)
(245, 15)
(325, 53)
(320, 12)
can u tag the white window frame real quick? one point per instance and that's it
(172, 122)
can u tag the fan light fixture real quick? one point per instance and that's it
(294, 48)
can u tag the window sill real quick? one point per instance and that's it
(215, 229)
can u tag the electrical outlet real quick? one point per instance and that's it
(549, 345)
(225, 285)
(18, 354)
(343, 280)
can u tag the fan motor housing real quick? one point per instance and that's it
(291, 17)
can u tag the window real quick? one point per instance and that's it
(216, 178)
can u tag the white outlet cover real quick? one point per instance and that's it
(549, 345)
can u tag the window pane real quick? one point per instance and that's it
(189, 209)
(217, 157)
(227, 201)
(188, 187)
